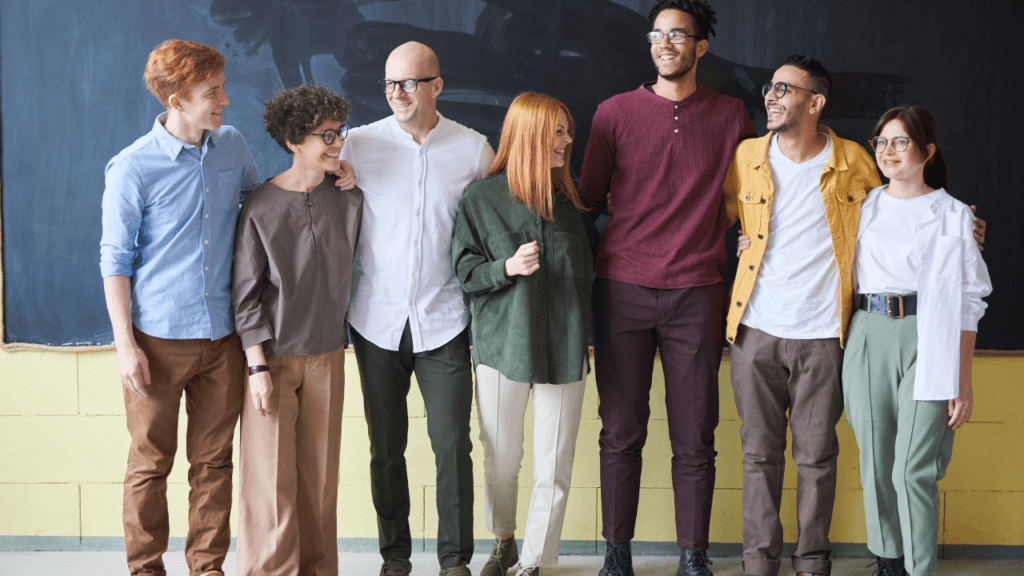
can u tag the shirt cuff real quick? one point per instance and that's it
(255, 335)
(108, 269)
(498, 277)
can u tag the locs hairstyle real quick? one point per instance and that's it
(524, 153)
(292, 114)
(923, 130)
(703, 15)
(819, 75)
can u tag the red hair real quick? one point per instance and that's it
(176, 66)
(524, 153)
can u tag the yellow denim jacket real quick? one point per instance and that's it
(749, 190)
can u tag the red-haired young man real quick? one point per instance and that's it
(169, 211)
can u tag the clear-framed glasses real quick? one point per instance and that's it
(409, 85)
(330, 135)
(656, 36)
(780, 89)
(900, 143)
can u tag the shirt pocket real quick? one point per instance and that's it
(567, 255)
(752, 204)
(228, 182)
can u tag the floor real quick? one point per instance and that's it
(112, 564)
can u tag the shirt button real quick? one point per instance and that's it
(739, 303)
(410, 302)
(746, 197)
(416, 243)
(206, 215)
(751, 266)
(762, 200)
(206, 293)
(418, 212)
(760, 237)
(676, 118)
(676, 130)
(849, 198)
(677, 106)
(206, 267)
(206, 241)
(207, 189)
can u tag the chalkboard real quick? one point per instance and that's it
(72, 96)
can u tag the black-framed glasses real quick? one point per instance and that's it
(330, 135)
(900, 143)
(656, 36)
(780, 89)
(409, 85)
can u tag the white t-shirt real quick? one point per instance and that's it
(795, 295)
(887, 261)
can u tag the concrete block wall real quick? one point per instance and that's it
(63, 448)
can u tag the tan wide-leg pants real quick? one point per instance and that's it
(289, 470)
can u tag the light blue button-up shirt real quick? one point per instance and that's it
(169, 215)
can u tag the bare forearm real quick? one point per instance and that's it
(118, 293)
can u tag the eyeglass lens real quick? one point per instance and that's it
(674, 37)
(779, 89)
(408, 86)
(330, 135)
(900, 143)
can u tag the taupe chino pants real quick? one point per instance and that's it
(209, 372)
(775, 380)
(288, 500)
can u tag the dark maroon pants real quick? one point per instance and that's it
(685, 325)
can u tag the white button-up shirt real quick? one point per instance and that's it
(403, 264)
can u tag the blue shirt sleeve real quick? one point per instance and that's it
(122, 208)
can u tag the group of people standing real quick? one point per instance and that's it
(236, 293)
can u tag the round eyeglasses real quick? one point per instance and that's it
(780, 89)
(330, 135)
(409, 85)
(656, 36)
(900, 143)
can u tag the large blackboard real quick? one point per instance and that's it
(72, 96)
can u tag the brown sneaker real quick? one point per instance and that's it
(504, 555)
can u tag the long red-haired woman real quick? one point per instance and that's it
(521, 250)
(919, 280)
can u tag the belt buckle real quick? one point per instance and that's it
(888, 306)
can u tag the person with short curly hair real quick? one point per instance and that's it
(170, 206)
(293, 259)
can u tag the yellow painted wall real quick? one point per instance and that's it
(63, 448)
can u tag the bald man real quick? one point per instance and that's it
(407, 313)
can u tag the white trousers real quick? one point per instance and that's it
(501, 405)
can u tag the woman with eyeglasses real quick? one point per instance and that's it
(295, 243)
(919, 280)
(521, 251)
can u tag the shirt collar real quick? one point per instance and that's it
(403, 134)
(171, 145)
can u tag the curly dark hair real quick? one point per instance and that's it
(700, 10)
(290, 116)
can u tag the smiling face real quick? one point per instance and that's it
(793, 109)
(419, 107)
(313, 153)
(907, 165)
(562, 139)
(675, 61)
(203, 109)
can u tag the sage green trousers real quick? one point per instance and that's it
(905, 445)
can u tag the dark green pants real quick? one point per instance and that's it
(445, 379)
(905, 444)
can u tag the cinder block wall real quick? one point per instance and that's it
(63, 448)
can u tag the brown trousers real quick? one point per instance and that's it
(209, 372)
(770, 377)
(288, 501)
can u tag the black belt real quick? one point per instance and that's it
(892, 305)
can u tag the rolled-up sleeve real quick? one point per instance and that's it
(252, 320)
(976, 281)
(122, 208)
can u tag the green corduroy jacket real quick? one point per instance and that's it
(529, 328)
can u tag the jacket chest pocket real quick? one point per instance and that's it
(755, 209)
(567, 255)
(226, 193)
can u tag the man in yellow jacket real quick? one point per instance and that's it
(798, 193)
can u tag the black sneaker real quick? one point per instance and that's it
(396, 568)
(504, 555)
(618, 560)
(889, 567)
(694, 563)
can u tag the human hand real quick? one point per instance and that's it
(960, 408)
(742, 244)
(260, 387)
(346, 177)
(979, 229)
(133, 366)
(525, 261)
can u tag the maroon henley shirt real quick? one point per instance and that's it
(659, 165)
